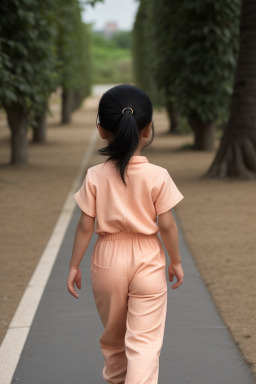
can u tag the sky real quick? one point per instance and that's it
(122, 12)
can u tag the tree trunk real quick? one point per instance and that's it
(236, 156)
(67, 102)
(204, 134)
(17, 117)
(39, 130)
(173, 117)
(78, 96)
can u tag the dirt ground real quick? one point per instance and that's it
(218, 217)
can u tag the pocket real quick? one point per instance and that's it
(103, 255)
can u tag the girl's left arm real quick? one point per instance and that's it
(84, 231)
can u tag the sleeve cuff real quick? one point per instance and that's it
(82, 205)
(170, 205)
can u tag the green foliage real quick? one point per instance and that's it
(195, 46)
(183, 126)
(143, 55)
(28, 60)
(122, 39)
(43, 44)
(86, 59)
(92, 2)
(111, 61)
(73, 46)
(139, 45)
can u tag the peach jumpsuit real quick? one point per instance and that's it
(128, 265)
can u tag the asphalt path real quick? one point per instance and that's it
(62, 346)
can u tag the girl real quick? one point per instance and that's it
(127, 193)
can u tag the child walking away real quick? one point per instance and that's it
(132, 200)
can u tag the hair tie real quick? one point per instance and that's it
(127, 108)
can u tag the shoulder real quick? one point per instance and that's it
(98, 171)
(96, 168)
(156, 171)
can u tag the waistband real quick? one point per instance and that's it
(126, 235)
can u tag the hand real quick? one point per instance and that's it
(176, 270)
(75, 276)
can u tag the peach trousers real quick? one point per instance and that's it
(130, 291)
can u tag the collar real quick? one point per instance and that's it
(138, 159)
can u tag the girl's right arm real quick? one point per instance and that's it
(169, 235)
(84, 232)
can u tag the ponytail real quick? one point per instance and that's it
(125, 124)
(124, 143)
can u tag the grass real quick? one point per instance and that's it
(111, 63)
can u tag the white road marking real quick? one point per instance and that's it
(16, 335)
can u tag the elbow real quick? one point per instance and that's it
(171, 227)
(166, 223)
(86, 224)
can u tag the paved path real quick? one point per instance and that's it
(63, 342)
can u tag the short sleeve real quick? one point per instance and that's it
(168, 195)
(85, 196)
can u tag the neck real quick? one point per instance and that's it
(137, 152)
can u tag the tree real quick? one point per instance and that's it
(74, 56)
(160, 54)
(195, 46)
(138, 48)
(38, 123)
(236, 155)
(141, 52)
(84, 88)
(27, 65)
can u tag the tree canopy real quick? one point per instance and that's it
(43, 44)
(192, 46)
(28, 62)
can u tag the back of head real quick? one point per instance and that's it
(124, 123)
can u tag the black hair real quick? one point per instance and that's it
(126, 125)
